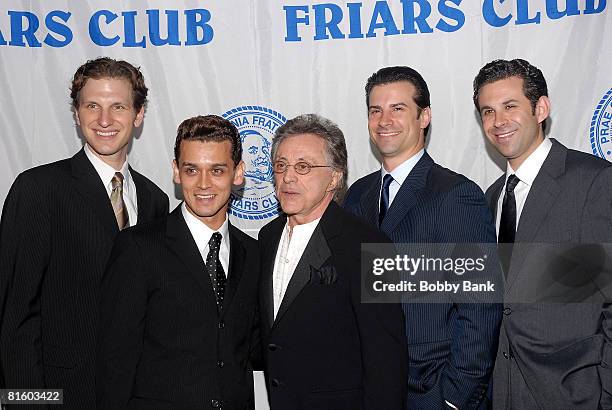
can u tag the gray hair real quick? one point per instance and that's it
(321, 127)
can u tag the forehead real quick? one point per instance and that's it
(101, 87)
(504, 89)
(195, 151)
(305, 146)
(399, 91)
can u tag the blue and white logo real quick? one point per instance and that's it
(601, 131)
(255, 200)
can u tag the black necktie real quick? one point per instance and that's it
(507, 222)
(384, 198)
(215, 269)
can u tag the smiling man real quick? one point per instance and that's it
(451, 346)
(179, 313)
(323, 348)
(58, 226)
(551, 356)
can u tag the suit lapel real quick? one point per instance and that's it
(494, 194)
(88, 184)
(180, 241)
(143, 196)
(236, 267)
(541, 198)
(316, 253)
(408, 195)
(371, 198)
(268, 257)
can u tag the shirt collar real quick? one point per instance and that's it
(201, 232)
(401, 172)
(105, 171)
(528, 170)
(302, 229)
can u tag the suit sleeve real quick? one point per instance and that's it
(123, 306)
(597, 229)
(475, 326)
(383, 348)
(25, 245)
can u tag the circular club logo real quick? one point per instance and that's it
(255, 199)
(601, 131)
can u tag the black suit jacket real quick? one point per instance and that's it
(557, 355)
(162, 343)
(451, 346)
(326, 350)
(57, 231)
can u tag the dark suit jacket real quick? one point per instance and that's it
(556, 356)
(326, 350)
(451, 346)
(162, 343)
(58, 228)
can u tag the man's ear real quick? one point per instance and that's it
(176, 172)
(239, 174)
(335, 181)
(139, 117)
(542, 109)
(425, 117)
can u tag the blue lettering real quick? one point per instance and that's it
(355, 20)
(2, 40)
(269, 202)
(129, 27)
(173, 28)
(523, 13)
(607, 115)
(196, 23)
(491, 17)
(605, 125)
(552, 9)
(453, 14)
(591, 9)
(94, 28)
(58, 28)
(322, 26)
(410, 19)
(292, 20)
(381, 9)
(19, 33)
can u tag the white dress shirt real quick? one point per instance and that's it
(202, 233)
(399, 174)
(527, 173)
(106, 173)
(291, 246)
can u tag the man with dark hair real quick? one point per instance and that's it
(451, 346)
(323, 347)
(179, 312)
(58, 226)
(551, 356)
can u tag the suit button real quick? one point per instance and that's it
(275, 383)
(220, 363)
(507, 311)
(272, 347)
(221, 325)
(214, 403)
(506, 355)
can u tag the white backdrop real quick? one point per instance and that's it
(277, 59)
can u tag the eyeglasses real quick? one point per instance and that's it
(301, 167)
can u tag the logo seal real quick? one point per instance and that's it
(601, 131)
(255, 200)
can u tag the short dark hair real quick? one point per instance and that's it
(321, 127)
(534, 84)
(208, 128)
(105, 67)
(396, 74)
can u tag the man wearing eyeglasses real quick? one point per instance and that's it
(323, 348)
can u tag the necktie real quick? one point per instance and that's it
(117, 201)
(215, 269)
(384, 198)
(507, 222)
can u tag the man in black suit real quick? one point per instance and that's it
(550, 199)
(58, 226)
(451, 345)
(323, 348)
(179, 313)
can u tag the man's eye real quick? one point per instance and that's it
(120, 107)
(374, 112)
(302, 166)
(487, 112)
(191, 171)
(217, 171)
(91, 106)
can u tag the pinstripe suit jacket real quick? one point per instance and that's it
(556, 356)
(57, 231)
(451, 347)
